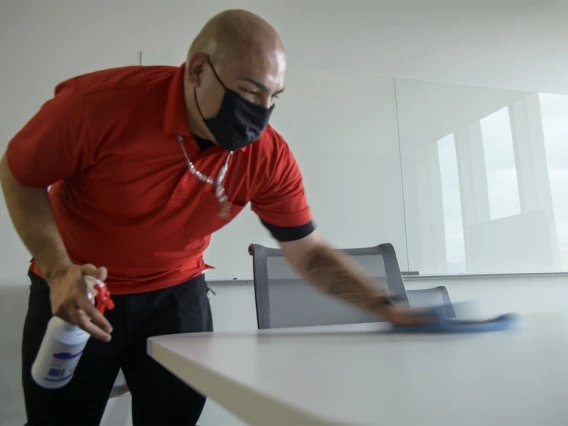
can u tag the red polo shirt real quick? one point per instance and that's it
(121, 192)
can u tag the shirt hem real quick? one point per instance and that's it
(135, 287)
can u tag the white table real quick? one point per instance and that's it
(352, 375)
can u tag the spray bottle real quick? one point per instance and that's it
(63, 343)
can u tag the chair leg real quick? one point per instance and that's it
(120, 388)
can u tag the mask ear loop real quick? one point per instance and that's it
(215, 74)
(197, 103)
(195, 89)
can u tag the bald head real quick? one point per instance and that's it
(236, 50)
(233, 34)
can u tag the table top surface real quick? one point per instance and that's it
(360, 374)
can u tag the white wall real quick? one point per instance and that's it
(503, 45)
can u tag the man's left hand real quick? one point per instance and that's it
(406, 316)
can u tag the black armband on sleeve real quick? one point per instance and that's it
(289, 233)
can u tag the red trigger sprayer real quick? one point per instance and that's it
(102, 295)
(64, 343)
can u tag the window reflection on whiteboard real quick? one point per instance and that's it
(453, 221)
(554, 112)
(499, 157)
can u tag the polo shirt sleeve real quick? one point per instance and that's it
(54, 144)
(281, 202)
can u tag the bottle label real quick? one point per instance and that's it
(63, 366)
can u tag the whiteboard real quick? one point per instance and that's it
(342, 129)
(485, 174)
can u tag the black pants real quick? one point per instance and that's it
(158, 397)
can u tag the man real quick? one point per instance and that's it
(144, 163)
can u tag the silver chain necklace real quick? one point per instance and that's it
(220, 193)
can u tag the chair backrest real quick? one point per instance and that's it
(283, 299)
(430, 297)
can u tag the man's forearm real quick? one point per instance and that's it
(30, 210)
(337, 275)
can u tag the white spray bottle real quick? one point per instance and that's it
(63, 343)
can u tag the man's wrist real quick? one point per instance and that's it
(56, 270)
(379, 304)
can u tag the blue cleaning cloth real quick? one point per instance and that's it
(443, 324)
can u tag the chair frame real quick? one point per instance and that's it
(260, 255)
(448, 306)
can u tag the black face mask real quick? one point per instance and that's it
(239, 121)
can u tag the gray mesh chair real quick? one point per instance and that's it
(283, 299)
(436, 296)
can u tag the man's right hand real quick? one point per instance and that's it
(69, 301)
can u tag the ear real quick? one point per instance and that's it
(194, 67)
